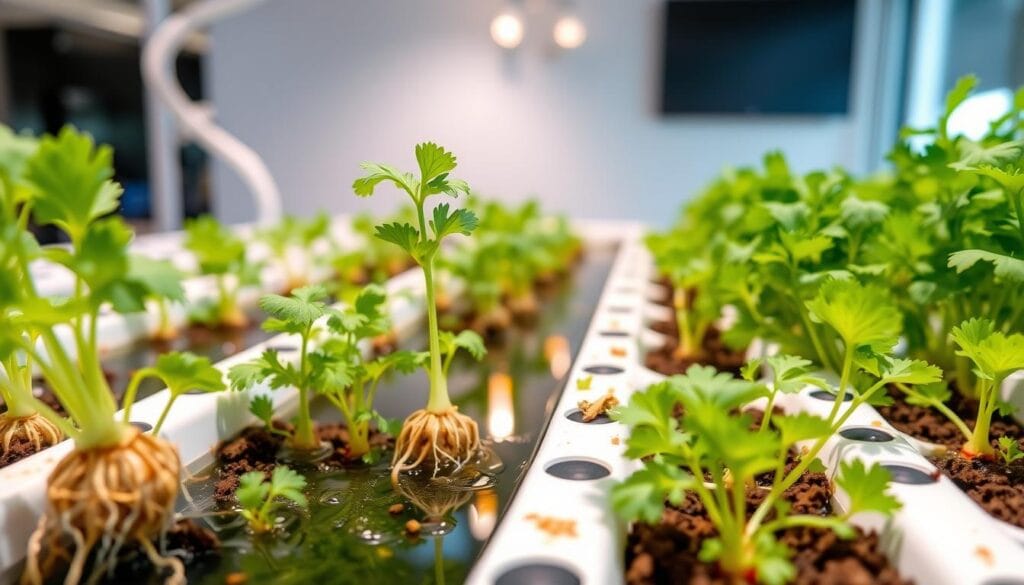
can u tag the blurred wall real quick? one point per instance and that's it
(316, 86)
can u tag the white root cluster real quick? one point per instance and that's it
(100, 499)
(445, 438)
(34, 428)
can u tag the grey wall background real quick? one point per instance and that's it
(316, 86)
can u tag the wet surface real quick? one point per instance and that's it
(354, 531)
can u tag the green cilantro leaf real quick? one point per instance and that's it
(862, 315)
(642, 495)
(70, 177)
(1006, 267)
(866, 488)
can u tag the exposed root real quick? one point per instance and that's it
(592, 410)
(99, 500)
(445, 439)
(35, 429)
(434, 502)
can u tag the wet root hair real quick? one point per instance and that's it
(100, 499)
(445, 439)
(35, 429)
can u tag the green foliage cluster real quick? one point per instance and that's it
(714, 439)
(261, 497)
(936, 244)
(65, 181)
(330, 361)
(513, 249)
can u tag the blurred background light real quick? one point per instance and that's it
(570, 32)
(507, 29)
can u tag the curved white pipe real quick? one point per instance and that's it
(158, 71)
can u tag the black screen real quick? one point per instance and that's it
(758, 56)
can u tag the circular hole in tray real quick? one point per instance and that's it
(577, 469)
(910, 475)
(613, 334)
(866, 434)
(538, 574)
(282, 348)
(603, 370)
(828, 396)
(576, 415)
(626, 290)
(144, 427)
(620, 309)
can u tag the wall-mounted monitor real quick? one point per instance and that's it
(757, 56)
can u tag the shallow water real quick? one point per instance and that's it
(348, 535)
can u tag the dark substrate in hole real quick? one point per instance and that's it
(994, 486)
(667, 552)
(714, 352)
(256, 449)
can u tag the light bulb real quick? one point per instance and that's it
(507, 30)
(570, 32)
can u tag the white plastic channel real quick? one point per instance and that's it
(520, 551)
(940, 535)
(196, 424)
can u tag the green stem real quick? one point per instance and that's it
(1020, 214)
(438, 402)
(132, 390)
(164, 412)
(806, 459)
(941, 407)
(767, 418)
(16, 392)
(979, 439)
(304, 438)
(439, 560)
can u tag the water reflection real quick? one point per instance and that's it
(357, 529)
(501, 418)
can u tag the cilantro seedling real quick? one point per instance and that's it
(713, 439)
(296, 314)
(260, 499)
(1009, 450)
(220, 255)
(438, 434)
(995, 355)
(291, 243)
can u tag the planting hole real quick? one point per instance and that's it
(613, 334)
(576, 415)
(603, 370)
(910, 475)
(620, 309)
(626, 290)
(144, 427)
(538, 574)
(283, 348)
(866, 434)
(828, 396)
(577, 469)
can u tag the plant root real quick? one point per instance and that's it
(100, 499)
(592, 410)
(35, 429)
(442, 438)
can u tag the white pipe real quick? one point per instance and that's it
(162, 146)
(196, 122)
